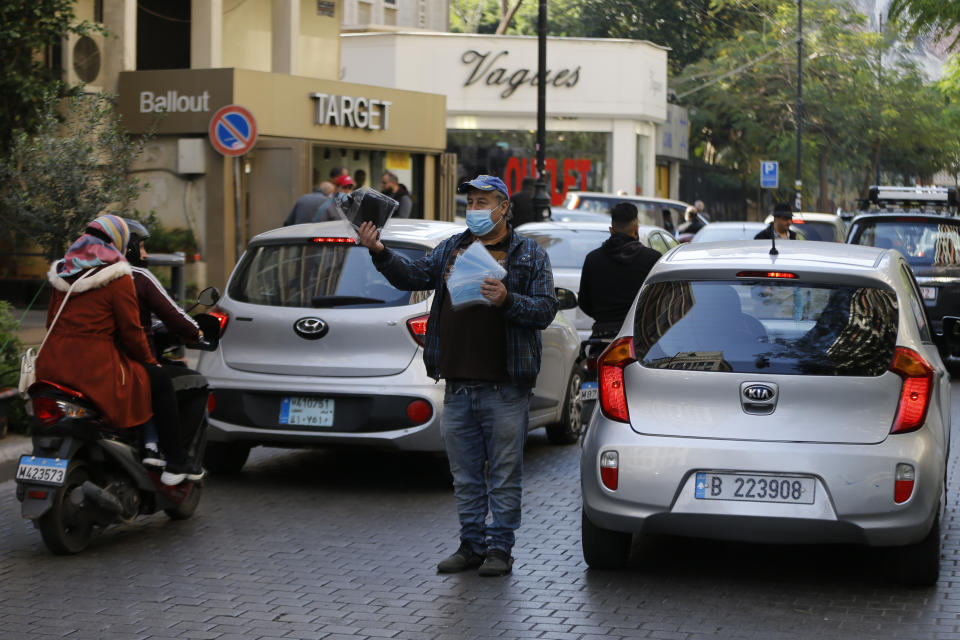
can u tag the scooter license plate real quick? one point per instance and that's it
(34, 470)
(588, 391)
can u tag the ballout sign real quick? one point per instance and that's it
(573, 168)
(349, 111)
(483, 66)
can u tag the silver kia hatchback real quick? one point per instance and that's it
(790, 398)
(318, 349)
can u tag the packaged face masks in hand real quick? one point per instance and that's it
(365, 205)
(471, 268)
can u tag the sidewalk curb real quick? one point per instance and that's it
(11, 448)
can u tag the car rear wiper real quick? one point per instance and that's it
(339, 301)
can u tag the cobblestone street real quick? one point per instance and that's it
(326, 544)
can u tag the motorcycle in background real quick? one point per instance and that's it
(83, 475)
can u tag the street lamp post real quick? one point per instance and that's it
(798, 184)
(541, 200)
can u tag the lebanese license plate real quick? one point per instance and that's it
(588, 391)
(312, 412)
(52, 471)
(754, 488)
(928, 293)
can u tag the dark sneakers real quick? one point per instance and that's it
(462, 559)
(497, 563)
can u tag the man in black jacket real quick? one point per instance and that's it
(782, 217)
(613, 273)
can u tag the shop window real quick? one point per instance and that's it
(163, 34)
(575, 160)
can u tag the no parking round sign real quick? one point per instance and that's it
(233, 130)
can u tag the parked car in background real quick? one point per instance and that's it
(723, 231)
(318, 349)
(568, 243)
(559, 214)
(726, 407)
(826, 227)
(659, 212)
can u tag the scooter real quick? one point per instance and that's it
(83, 475)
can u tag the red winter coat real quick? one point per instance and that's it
(81, 351)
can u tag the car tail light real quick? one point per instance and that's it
(610, 469)
(419, 411)
(613, 395)
(767, 274)
(37, 494)
(211, 403)
(903, 482)
(222, 317)
(915, 395)
(50, 410)
(418, 328)
(333, 240)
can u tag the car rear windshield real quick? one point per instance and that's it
(922, 241)
(823, 231)
(317, 275)
(766, 326)
(567, 248)
(719, 233)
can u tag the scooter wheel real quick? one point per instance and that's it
(66, 528)
(186, 508)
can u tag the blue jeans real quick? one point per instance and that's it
(484, 426)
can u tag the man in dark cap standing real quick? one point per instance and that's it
(782, 217)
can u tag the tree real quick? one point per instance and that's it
(940, 17)
(72, 169)
(30, 36)
(858, 117)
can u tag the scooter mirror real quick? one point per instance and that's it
(208, 296)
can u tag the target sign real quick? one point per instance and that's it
(233, 131)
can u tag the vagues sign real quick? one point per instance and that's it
(483, 66)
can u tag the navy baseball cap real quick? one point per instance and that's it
(484, 183)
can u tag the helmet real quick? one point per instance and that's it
(138, 233)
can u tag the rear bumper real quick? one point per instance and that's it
(367, 411)
(853, 498)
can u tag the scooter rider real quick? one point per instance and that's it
(153, 299)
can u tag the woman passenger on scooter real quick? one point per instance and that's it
(82, 349)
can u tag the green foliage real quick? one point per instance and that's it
(163, 240)
(30, 36)
(939, 17)
(858, 116)
(10, 350)
(56, 180)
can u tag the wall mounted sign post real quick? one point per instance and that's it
(233, 132)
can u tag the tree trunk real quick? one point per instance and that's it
(823, 200)
(508, 14)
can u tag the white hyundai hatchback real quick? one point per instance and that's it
(318, 349)
(797, 397)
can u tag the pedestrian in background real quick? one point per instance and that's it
(702, 210)
(390, 185)
(613, 273)
(692, 223)
(780, 226)
(316, 206)
(345, 184)
(489, 356)
(360, 178)
(522, 203)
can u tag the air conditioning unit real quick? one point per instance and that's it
(83, 60)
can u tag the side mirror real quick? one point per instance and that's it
(566, 298)
(208, 296)
(949, 340)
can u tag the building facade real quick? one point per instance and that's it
(432, 15)
(174, 63)
(605, 100)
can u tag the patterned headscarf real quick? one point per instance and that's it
(90, 251)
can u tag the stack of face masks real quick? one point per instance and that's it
(472, 267)
(365, 205)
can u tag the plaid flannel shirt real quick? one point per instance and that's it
(531, 303)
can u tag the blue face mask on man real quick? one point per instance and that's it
(480, 221)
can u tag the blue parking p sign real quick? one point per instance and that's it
(769, 174)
